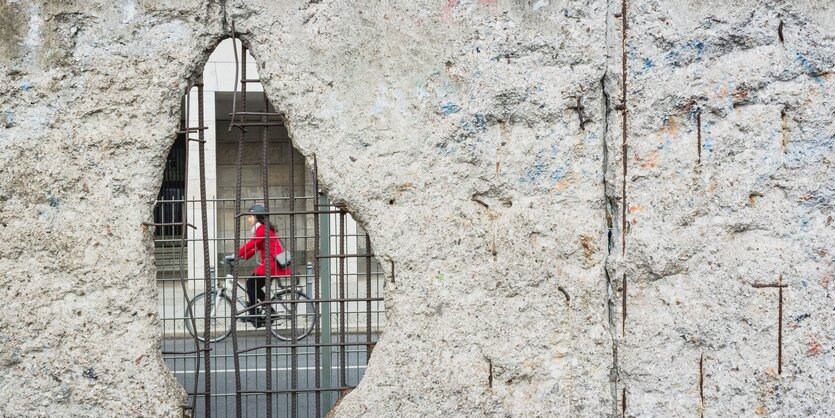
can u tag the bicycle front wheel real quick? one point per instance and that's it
(220, 317)
(293, 320)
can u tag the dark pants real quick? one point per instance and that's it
(253, 286)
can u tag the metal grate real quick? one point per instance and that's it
(327, 314)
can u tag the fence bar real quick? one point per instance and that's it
(237, 241)
(343, 378)
(265, 163)
(205, 225)
(368, 297)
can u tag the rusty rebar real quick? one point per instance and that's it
(181, 267)
(623, 127)
(207, 399)
(780, 326)
(294, 361)
(343, 370)
(369, 347)
(237, 241)
(268, 279)
(317, 271)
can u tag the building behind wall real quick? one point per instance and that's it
(221, 148)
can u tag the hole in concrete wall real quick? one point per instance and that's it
(329, 311)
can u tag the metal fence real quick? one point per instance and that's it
(349, 304)
(325, 316)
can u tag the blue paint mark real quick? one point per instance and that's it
(804, 223)
(53, 201)
(809, 68)
(25, 86)
(684, 53)
(478, 123)
(557, 175)
(533, 173)
(648, 64)
(443, 149)
(449, 108)
(9, 115)
(707, 144)
(630, 50)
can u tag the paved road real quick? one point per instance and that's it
(254, 374)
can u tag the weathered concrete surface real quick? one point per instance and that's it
(445, 127)
(730, 137)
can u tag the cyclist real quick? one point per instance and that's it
(255, 285)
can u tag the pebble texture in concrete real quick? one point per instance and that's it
(481, 143)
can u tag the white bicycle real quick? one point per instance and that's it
(289, 302)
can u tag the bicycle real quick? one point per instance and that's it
(220, 310)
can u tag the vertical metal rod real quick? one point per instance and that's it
(265, 162)
(294, 361)
(237, 244)
(369, 346)
(623, 403)
(182, 269)
(702, 385)
(317, 276)
(327, 351)
(623, 307)
(780, 326)
(207, 280)
(623, 127)
(343, 378)
(699, 136)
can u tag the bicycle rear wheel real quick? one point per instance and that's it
(220, 317)
(304, 311)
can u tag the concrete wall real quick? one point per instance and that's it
(447, 128)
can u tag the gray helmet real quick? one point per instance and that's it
(257, 209)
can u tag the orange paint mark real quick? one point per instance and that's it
(562, 184)
(670, 127)
(740, 94)
(635, 208)
(711, 187)
(446, 11)
(650, 161)
(815, 347)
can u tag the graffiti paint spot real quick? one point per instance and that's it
(478, 123)
(26, 86)
(533, 173)
(707, 144)
(8, 117)
(449, 108)
(809, 68)
(685, 53)
(648, 64)
(649, 161)
(558, 175)
(815, 347)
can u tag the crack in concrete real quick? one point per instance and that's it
(610, 207)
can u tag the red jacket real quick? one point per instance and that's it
(256, 243)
